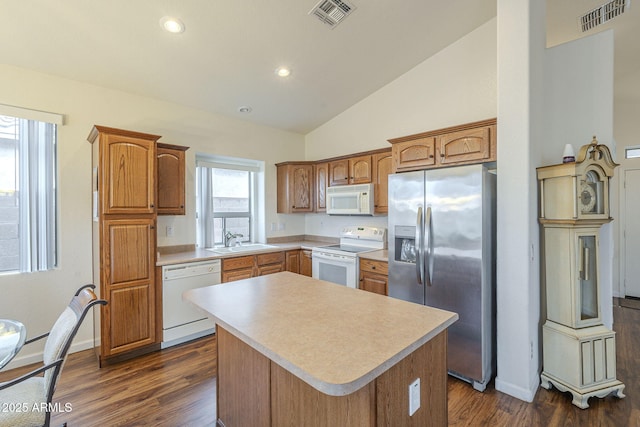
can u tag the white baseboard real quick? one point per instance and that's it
(27, 359)
(518, 392)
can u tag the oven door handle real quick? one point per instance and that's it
(331, 257)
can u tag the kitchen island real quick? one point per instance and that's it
(293, 350)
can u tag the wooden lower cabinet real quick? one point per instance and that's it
(298, 261)
(293, 260)
(128, 284)
(244, 267)
(305, 262)
(374, 276)
(252, 390)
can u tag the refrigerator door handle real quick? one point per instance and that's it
(428, 244)
(419, 247)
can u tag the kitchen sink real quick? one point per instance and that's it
(242, 248)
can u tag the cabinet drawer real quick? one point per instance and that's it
(379, 267)
(270, 258)
(239, 274)
(236, 263)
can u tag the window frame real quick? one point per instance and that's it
(38, 205)
(204, 206)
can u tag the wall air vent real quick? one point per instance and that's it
(603, 13)
(332, 12)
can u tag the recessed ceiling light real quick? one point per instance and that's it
(283, 72)
(173, 25)
(244, 109)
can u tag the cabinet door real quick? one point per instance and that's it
(375, 283)
(415, 154)
(382, 166)
(263, 270)
(322, 181)
(237, 268)
(472, 145)
(339, 172)
(273, 262)
(171, 179)
(128, 282)
(128, 178)
(306, 263)
(295, 188)
(292, 261)
(360, 170)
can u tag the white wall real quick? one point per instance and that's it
(457, 85)
(38, 298)
(626, 135)
(578, 103)
(520, 60)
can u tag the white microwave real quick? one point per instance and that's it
(350, 199)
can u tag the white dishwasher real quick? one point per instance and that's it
(181, 321)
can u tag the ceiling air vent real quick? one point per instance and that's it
(603, 13)
(331, 12)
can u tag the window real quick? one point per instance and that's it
(27, 190)
(632, 153)
(227, 200)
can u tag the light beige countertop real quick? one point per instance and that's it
(199, 254)
(381, 255)
(335, 338)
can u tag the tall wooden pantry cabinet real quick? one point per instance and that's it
(124, 215)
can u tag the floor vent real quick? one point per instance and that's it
(603, 13)
(331, 12)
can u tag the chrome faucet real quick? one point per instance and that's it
(229, 236)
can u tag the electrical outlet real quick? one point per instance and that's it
(169, 231)
(414, 397)
(281, 226)
(274, 227)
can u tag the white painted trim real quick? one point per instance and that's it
(26, 113)
(518, 392)
(28, 359)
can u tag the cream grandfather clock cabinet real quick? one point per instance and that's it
(579, 352)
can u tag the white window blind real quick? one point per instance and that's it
(28, 189)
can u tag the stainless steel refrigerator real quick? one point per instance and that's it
(442, 254)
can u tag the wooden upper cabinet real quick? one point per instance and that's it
(459, 145)
(126, 176)
(295, 187)
(353, 170)
(465, 146)
(382, 167)
(171, 179)
(415, 154)
(339, 172)
(322, 182)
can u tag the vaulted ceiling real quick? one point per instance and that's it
(227, 56)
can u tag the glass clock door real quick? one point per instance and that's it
(588, 304)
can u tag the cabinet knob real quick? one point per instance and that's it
(442, 155)
(151, 205)
(152, 227)
(181, 206)
(373, 267)
(431, 156)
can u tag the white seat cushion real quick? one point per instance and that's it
(19, 401)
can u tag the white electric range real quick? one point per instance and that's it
(339, 263)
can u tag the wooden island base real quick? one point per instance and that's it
(254, 391)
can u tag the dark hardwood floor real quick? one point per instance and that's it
(176, 387)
